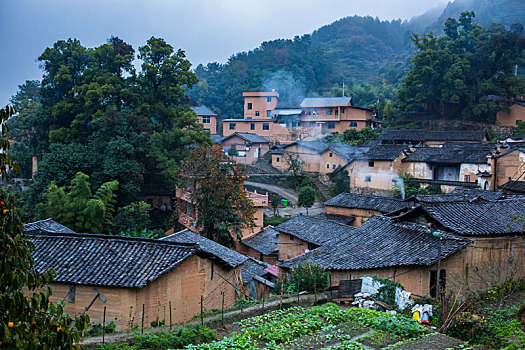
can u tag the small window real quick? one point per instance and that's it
(467, 178)
(269, 113)
(368, 178)
(266, 126)
(327, 166)
(333, 166)
(292, 238)
(212, 270)
(206, 120)
(336, 112)
(232, 126)
(311, 246)
(371, 164)
(277, 160)
(342, 110)
(257, 113)
(268, 99)
(249, 105)
(252, 126)
(353, 124)
(329, 111)
(71, 294)
(331, 125)
(261, 256)
(330, 155)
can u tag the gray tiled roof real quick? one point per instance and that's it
(514, 186)
(265, 241)
(428, 135)
(382, 242)
(384, 152)
(251, 268)
(47, 225)
(452, 154)
(216, 138)
(325, 101)
(471, 193)
(314, 230)
(227, 255)
(361, 201)
(474, 218)
(100, 260)
(253, 138)
(348, 152)
(203, 110)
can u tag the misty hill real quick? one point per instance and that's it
(371, 56)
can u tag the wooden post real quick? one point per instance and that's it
(170, 314)
(164, 318)
(129, 323)
(202, 311)
(142, 331)
(282, 291)
(185, 309)
(242, 310)
(330, 285)
(222, 309)
(438, 274)
(158, 310)
(104, 326)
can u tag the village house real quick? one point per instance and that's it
(128, 275)
(46, 226)
(430, 138)
(452, 165)
(509, 166)
(514, 187)
(207, 118)
(384, 247)
(251, 272)
(157, 196)
(249, 147)
(513, 112)
(263, 245)
(360, 207)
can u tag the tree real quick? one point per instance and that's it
(275, 200)
(295, 166)
(388, 111)
(309, 277)
(132, 218)
(28, 320)
(216, 183)
(306, 197)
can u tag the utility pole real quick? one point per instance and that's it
(343, 88)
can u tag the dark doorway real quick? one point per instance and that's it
(433, 278)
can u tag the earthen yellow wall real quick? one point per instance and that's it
(259, 223)
(278, 162)
(244, 249)
(509, 167)
(259, 103)
(256, 151)
(311, 158)
(517, 113)
(212, 125)
(289, 248)
(183, 286)
(361, 215)
(327, 163)
(381, 174)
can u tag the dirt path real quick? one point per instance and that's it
(283, 192)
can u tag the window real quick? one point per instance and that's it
(206, 119)
(261, 256)
(467, 178)
(292, 238)
(252, 126)
(331, 125)
(268, 113)
(329, 111)
(212, 270)
(232, 126)
(266, 126)
(342, 110)
(277, 159)
(433, 279)
(333, 166)
(371, 164)
(249, 105)
(311, 246)
(336, 112)
(368, 178)
(268, 99)
(353, 124)
(330, 155)
(71, 294)
(327, 166)
(257, 113)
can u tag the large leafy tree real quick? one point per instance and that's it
(453, 74)
(216, 183)
(28, 320)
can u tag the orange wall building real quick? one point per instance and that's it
(207, 118)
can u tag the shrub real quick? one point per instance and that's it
(309, 277)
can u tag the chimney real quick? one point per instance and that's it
(34, 166)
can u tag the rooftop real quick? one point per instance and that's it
(471, 193)
(314, 230)
(452, 154)
(260, 93)
(514, 186)
(203, 110)
(326, 101)
(251, 268)
(382, 242)
(427, 135)
(384, 152)
(361, 201)
(253, 138)
(226, 255)
(110, 261)
(265, 241)
(47, 226)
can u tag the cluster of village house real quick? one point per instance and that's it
(362, 232)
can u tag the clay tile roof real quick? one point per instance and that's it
(384, 152)
(471, 193)
(203, 110)
(265, 241)
(216, 138)
(514, 186)
(348, 152)
(361, 201)
(326, 101)
(427, 135)
(475, 218)
(227, 255)
(314, 230)
(253, 138)
(251, 268)
(452, 154)
(101, 260)
(47, 225)
(382, 242)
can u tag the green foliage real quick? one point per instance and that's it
(158, 323)
(340, 180)
(413, 188)
(78, 208)
(28, 320)
(308, 277)
(216, 183)
(387, 291)
(232, 152)
(355, 137)
(275, 220)
(275, 200)
(132, 218)
(306, 197)
(98, 329)
(453, 74)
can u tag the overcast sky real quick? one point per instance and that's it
(208, 30)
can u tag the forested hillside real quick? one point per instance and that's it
(371, 56)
